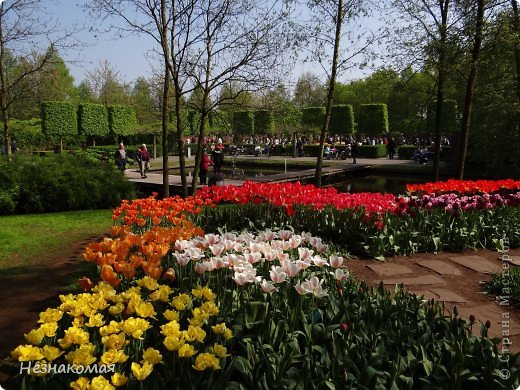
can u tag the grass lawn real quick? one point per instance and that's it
(35, 239)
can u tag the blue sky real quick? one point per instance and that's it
(129, 56)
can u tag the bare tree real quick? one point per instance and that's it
(24, 26)
(239, 43)
(108, 85)
(336, 13)
(167, 23)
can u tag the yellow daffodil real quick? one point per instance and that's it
(49, 329)
(81, 383)
(25, 353)
(135, 327)
(173, 343)
(187, 351)
(209, 308)
(172, 328)
(116, 309)
(149, 283)
(51, 353)
(161, 294)
(119, 379)
(141, 372)
(181, 301)
(151, 356)
(194, 333)
(100, 383)
(113, 327)
(206, 361)
(83, 356)
(73, 335)
(222, 329)
(95, 321)
(219, 350)
(113, 356)
(203, 292)
(171, 315)
(114, 341)
(145, 309)
(35, 336)
(50, 315)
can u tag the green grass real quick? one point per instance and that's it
(35, 239)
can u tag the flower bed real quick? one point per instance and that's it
(226, 308)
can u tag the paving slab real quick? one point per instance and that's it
(477, 263)
(501, 325)
(440, 267)
(389, 269)
(441, 295)
(510, 259)
(417, 281)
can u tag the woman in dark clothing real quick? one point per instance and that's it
(354, 151)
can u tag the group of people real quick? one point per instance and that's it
(142, 156)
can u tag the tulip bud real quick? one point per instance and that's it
(488, 324)
(340, 291)
(471, 318)
(169, 274)
(343, 326)
(85, 283)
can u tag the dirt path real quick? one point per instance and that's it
(23, 297)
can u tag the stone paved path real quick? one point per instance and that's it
(453, 278)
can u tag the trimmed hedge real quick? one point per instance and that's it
(264, 122)
(313, 116)
(372, 151)
(121, 120)
(64, 182)
(243, 123)
(59, 119)
(373, 119)
(93, 119)
(342, 119)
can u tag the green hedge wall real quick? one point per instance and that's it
(264, 122)
(372, 151)
(59, 119)
(93, 119)
(342, 119)
(243, 123)
(121, 120)
(373, 119)
(313, 116)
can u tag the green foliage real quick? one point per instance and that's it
(342, 119)
(59, 119)
(449, 117)
(264, 122)
(373, 119)
(122, 120)
(243, 123)
(313, 116)
(62, 182)
(93, 119)
(28, 133)
(505, 285)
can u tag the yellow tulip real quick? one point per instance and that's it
(141, 372)
(35, 336)
(187, 351)
(206, 361)
(100, 383)
(119, 379)
(152, 356)
(51, 353)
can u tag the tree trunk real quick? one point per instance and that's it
(470, 87)
(165, 103)
(330, 95)
(3, 90)
(516, 27)
(440, 87)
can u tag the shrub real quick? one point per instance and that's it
(342, 119)
(372, 151)
(264, 122)
(59, 119)
(373, 119)
(93, 120)
(243, 123)
(64, 182)
(121, 120)
(313, 117)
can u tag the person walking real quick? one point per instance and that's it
(143, 159)
(391, 148)
(354, 151)
(217, 156)
(120, 157)
(205, 162)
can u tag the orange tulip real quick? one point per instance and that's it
(85, 283)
